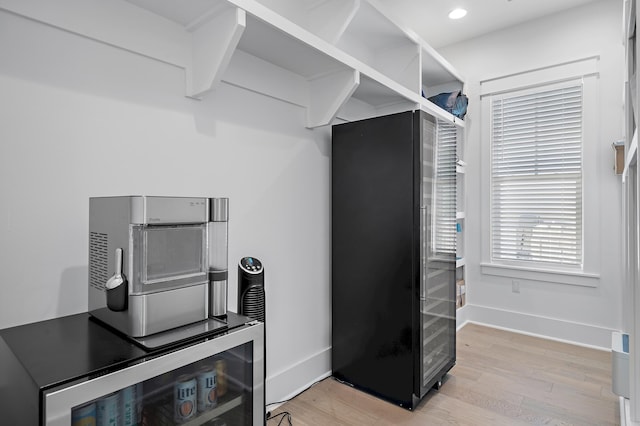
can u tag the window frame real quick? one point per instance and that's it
(585, 72)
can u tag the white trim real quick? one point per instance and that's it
(625, 413)
(578, 278)
(274, 405)
(299, 376)
(623, 417)
(549, 74)
(461, 317)
(560, 330)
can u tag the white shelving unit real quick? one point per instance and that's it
(340, 59)
(461, 282)
(630, 407)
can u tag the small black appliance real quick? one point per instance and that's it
(251, 295)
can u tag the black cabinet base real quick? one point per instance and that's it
(414, 401)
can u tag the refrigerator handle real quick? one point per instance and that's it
(425, 240)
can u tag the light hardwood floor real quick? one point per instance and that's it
(501, 378)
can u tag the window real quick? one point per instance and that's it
(445, 188)
(536, 175)
(540, 151)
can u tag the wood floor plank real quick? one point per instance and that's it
(518, 372)
(553, 356)
(466, 372)
(560, 347)
(585, 416)
(583, 387)
(550, 364)
(458, 386)
(500, 378)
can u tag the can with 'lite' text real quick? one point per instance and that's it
(207, 392)
(184, 398)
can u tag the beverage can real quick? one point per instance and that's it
(128, 406)
(108, 410)
(221, 379)
(207, 392)
(184, 398)
(84, 416)
(140, 397)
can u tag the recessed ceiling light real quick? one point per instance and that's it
(457, 13)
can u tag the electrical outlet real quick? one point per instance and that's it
(515, 286)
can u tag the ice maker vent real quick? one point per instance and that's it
(97, 260)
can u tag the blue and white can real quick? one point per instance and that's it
(108, 410)
(128, 406)
(184, 398)
(207, 392)
(84, 416)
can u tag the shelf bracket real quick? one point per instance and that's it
(630, 156)
(330, 19)
(213, 44)
(327, 94)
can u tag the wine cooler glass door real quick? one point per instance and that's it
(437, 252)
(216, 382)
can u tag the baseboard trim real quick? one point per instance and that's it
(625, 413)
(461, 317)
(575, 333)
(299, 376)
(624, 421)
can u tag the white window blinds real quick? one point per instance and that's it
(536, 176)
(445, 188)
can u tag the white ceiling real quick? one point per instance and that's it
(429, 18)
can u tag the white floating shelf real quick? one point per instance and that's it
(337, 58)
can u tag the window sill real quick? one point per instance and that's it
(547, 275)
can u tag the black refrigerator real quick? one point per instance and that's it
(393, 255)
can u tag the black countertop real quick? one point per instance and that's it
(74, 347)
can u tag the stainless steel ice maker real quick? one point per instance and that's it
(149, 261)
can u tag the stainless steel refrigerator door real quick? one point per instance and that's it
(58, 404)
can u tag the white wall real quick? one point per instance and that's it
(80, 119)
(581, 314)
